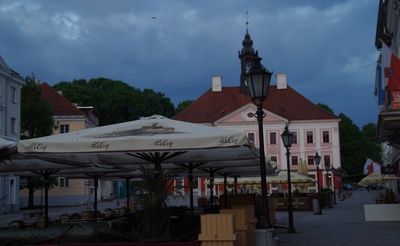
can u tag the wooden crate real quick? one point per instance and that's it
(251, 222)
(217, 229)
(241, 224)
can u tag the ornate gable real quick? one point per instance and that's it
(246, 113)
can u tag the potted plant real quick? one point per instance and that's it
(153, 213)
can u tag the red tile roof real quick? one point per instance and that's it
(287, 103)
(60, 105)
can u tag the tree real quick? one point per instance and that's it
(36, 121)
(353, 146)
(36, 113)
(183, 105)
(116, 100)
(326, 107)
(374, 147)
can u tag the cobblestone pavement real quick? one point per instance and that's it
(343, 224)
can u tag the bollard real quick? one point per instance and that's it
(316, 207)
(266, 237)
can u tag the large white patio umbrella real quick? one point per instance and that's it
(7, 148)
(377, 178)
(154, 140)
(295, 177)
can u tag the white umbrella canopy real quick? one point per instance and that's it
(377, 178)
(7, 148)
(7, 144)
(154, 140)
(150, 134)
(19, 163)
(295, 177)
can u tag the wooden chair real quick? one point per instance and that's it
(107, 212)
(116, 211)
(123, 211)
(64, 218)
(75, 216)
(88, 214)
(40, 222)
(19, 224)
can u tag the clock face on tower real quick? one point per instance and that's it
(248, 65)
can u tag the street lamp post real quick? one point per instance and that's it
(258, 79)
(287, 138)
(328, 183)
(317, 160)
(327, 168)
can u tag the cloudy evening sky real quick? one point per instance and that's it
(175, 46)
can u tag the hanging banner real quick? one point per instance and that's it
(395, 100)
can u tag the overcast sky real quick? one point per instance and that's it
(175, 46)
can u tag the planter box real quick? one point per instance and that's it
(217, 229)
(382, 212)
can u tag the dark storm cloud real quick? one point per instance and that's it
(174, 47)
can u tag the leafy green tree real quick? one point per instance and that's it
(183, 105)
(116, 100)
(374, 147)
(36, 112)
(326, 107)
(36, 121)
(157, 103)
(353, 146)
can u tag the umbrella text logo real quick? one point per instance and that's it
(99, 145)
(228, 140)
(163, 143)
(37, 146)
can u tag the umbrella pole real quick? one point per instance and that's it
(211, 188)
(235, 184)
(96, 179)
(225, 190)
(191, 188)
(127, 193)
(46, 199)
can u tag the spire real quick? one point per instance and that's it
(247, 56)
(247, 42)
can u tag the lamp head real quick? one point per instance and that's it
(317, 159)
(258, 79)
(287, 137)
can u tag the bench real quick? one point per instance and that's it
(31, 214)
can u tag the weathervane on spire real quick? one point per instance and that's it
(247, 19)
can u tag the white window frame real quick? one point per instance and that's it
(64, 128)
(13, 94)
(63, 182)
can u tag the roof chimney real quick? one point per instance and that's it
(281, 81)
(216, 83)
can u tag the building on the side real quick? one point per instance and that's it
(387, 88)
(10, 117)
(315, 129)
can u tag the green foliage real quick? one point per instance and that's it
(36, 121)
(374, 148)
(36, 113)
(326, 107)
(356, 146)
(154, 214)
(37, 183)
(116, 100)
(183, 105)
